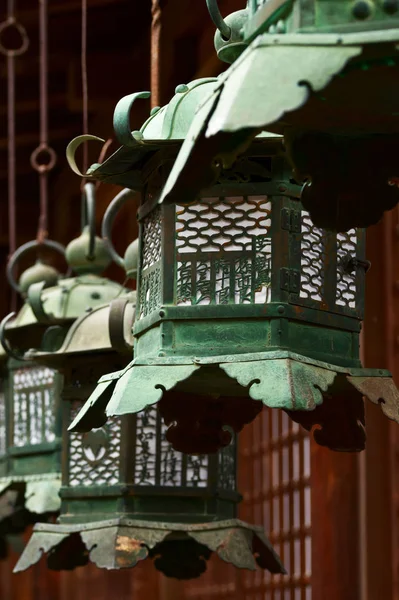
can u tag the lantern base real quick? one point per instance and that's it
(150, 503)
(282, 380)
(178, 550)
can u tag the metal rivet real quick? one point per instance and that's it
(390, 6)
(272, 29)
(361, 10)
(137, 135)
(280, 309)
(161, 313)
(154, 110)
(180, 89)
(280, 27)
(161, 354)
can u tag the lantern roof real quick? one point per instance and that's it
(165, 130)
(63, 303)
(92, 332)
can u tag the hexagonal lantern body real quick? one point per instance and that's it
(33, 381)
(30, 446)
(243, 301)
(314, 72)
(127, 495)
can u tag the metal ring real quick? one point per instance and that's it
(4, 342)
(23, 250)
(89, 217)
(217, 19)
(108, 221)
(12, 22)
(52, 158)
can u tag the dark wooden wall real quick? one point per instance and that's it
(339, 534)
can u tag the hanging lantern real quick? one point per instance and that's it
(242, 301)
(324, 74)
(30, 426)
(128, 496)
(31, 465)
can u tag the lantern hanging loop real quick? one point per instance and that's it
(217, 19)
(89, 217)
(108, 221)
(21, 251)
(3, 339)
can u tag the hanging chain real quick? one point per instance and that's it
(156, 27)
(85, 91)
(11, 53)
(43, 158)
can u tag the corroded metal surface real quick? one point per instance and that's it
(122, 543)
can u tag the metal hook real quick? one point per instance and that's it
(21, 251)
(217, 19)
(89, 217)
(4, 342)
(108, 221)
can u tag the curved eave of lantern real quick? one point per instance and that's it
(324, 83)
(178, 550)
(92, 332)
(163, 132)
(58, 306)
(26, 499)
(313, 393)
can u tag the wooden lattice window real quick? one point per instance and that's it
(274, 478)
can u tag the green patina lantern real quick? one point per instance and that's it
(49, 320)
(30, 426)
(242, 301)
(324, 74)
(128, 496)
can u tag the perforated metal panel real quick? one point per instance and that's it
(223, 251)
(312, 260)
(94, 457)
(33, 401)
(150, 279)
(3, 439)
(346, 282)
(329, 271)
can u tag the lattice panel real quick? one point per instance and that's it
(3, 438)
(276, 486)
(150, 280)
(150, 291)
(152, 232)
(346, 282)
(312, 260)
(223, 251)
(94, 457)
(164, 466)
(34, 399)
(227, 468)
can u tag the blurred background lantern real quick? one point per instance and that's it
(242, 301)
(325, 76)
(30, 422)
(127, 495)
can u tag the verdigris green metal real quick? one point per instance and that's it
(57, 342)
(312, 71)
(239, 293)
(128, 496)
